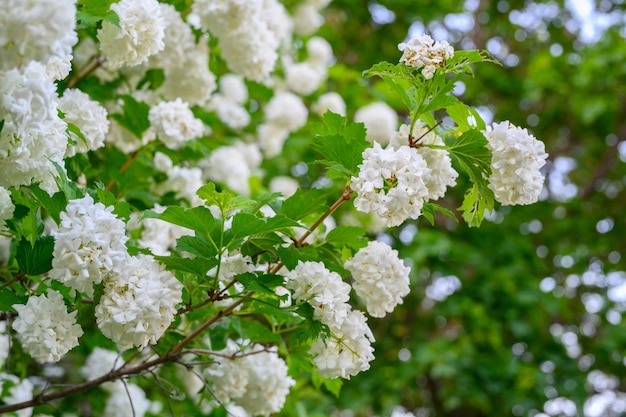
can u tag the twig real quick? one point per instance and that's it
(123, 168)
(93, 64)
(17, 277)
(345, 196)
(413, 142)
(170, 356)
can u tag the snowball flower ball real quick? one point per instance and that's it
(517, 157)
(44, 327)
(139, 35)
(380, 121)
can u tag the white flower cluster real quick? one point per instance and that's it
(18, 392)
(5, 343)
(442, 175)
(89, 116)
(423, 51)
(284, 113)
(380, 278)
(33, 136)
(184, 181)
(191, 80)
(401, 412)
(307, 18)
(234, 264)
(329, 101)
(139, 303)
(139, 35)
(232, 165)
(6, 206)
(44, 327)
(178, 41)
(517, 157)
(100, 362)
(391, 183)
(89, 245)
(126, 400)
(348, 351)
(249, 33)
(139, 295)
(380, 121)
(174, 123)
(255, 379)
(228, 103)
(305, 77)
(324, 290)
(38, 30)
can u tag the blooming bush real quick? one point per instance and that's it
(185, 226)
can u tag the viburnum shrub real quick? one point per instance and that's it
(160, 219)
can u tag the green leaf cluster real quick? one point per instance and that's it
(341, 143)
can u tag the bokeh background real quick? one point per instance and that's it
(523, 316)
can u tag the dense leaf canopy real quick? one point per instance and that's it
(521, 316)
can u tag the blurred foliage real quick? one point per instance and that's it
(493, 346)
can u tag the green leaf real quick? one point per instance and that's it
(388, 70)
(255, 245)
(70, 188)
(120, 208)
(134, 116)
(104, 196)
(26, 221)
(290, 255)
(199, 219)
(253, 330)
(440, 102)
(35, 259)
(90, 12)
(430, 209)
(332, 385)
(199, 245)
(309, 329)
(218, 337)
(54, 205)
(225, 199)
(477, 199)
(8, 298)
(246, 224)
(461, 115)
(197, 266)
(351, 236)
(460, 62)
(153, 79)
(341, 143)
(72, 128)
(260, 283)
(304, 203)
(471, 153)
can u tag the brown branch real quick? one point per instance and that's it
(413, 143)
(170, 356)
(92, 65)
(176, 352)
(345, 196)
(17, 277)
(5, 315)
